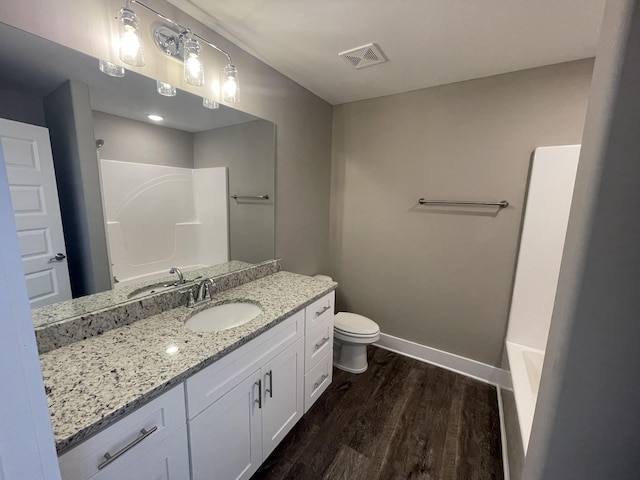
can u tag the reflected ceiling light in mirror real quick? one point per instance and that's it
(178, 42)
(111, 69)
(193, 66)
(166, 89)
(208, 103)
(155, 118)
(230, 89)
(130, 49)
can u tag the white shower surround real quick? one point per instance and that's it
(549, 196)
(158, 217)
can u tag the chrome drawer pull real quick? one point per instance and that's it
(321, 343)
(321, 381)
(323, 310)
(110, 458)
(270, 389)
(259, 399)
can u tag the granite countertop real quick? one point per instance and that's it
(120, 293)
(94, 382)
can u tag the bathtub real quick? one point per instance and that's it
(526, 369)
(155, 276)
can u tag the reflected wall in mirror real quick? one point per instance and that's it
(135, 197)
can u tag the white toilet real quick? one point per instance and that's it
(351, 335)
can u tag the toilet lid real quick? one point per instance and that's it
(356, 324)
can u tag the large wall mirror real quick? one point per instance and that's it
(194, 190)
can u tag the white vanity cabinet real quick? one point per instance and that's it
(318, 367)
(242, 406)
(148, 444)
(236, 411)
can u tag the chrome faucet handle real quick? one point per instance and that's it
(191, 302)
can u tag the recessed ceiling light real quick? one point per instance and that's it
(155, 118)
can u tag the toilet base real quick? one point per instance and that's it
(351, 358)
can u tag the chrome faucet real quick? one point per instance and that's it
(205, 290)
(177, 271)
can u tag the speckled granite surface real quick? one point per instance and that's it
(94, 382)
(56, 334)
(120, 294)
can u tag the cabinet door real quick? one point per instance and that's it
(226, 437)
(167, 461)
(283, 395)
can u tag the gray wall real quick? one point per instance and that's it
(139, 142)
(442, 277)
(303, 120)
(249, 152)
(21, 107)
(68, 115)
(587, 416)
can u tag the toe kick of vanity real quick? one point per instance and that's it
(225, 419)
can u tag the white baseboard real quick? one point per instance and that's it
(450, 361)
(503, 437)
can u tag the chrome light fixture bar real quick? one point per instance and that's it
(176, 41)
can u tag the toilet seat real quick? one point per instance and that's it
(354, 325)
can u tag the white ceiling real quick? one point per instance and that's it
(428, 42)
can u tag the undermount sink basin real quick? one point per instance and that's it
(223, 317)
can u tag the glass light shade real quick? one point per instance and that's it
(230, 87)
(130, 48)
(208, 103)
(193, 66)
(166, 89)
(111, 69)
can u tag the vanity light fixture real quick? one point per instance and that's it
(230, 90)
(178, 42)
(208, 103)
(155, 118)
(111, 69)
(130, 48)
(166, 89)
(193, 66)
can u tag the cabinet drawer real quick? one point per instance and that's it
(318, 341)
(208, 385)
(167, 461)
(159, 418)
(319, 310)
(317, 380)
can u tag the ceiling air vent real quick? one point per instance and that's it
(364, 56)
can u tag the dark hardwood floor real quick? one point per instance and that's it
(401, 419)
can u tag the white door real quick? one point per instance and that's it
(27, 449)
(283, 401)
(225, 438)
(32, 182)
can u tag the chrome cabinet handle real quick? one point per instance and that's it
(110, 458)
(323, 310)
(321, 343)
(259, 399)
(58, 258)
(270, 389)
(321, 381)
